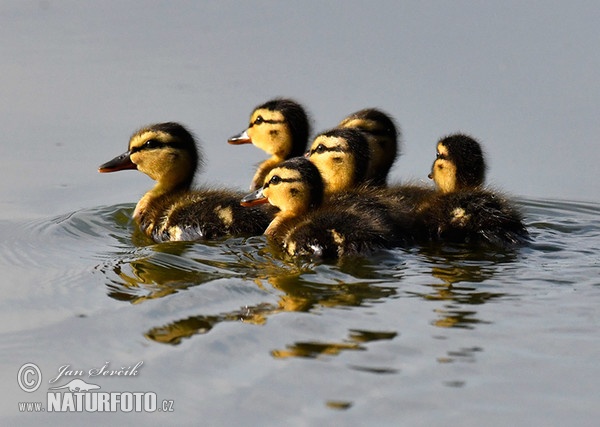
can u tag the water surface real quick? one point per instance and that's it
(227, 330)
(234, 333)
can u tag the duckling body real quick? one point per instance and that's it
(462, 210)
(383, 140)
(171, 210)
(200, 215)
(305, 226)
(473, 216)
(280, 127)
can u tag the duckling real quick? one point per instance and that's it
(305, 226)
(342, 156)
(281, 128)
(172, 211)
(382, 136)
(459, 164)
(462, 210)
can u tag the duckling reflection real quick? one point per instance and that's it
(167, 270)
(172, 211)
(287, 286)
(355, 341)
(296, 295)
(280, 127)
(174, 332)
(459, 271)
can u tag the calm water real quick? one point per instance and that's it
(229, 333)
(232, 334)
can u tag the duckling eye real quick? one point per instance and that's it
(258, 120)
(275, 179)
(150, 144)
(440, 156)
(320, 149)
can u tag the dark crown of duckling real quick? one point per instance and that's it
(168, 154)
(305, 227)
(342, 157)
(459, 163)
(280, 127)
(383, 137)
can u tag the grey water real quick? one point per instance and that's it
(231, 333)
(226, 331)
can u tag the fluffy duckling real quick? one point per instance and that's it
(172, 211)
(459, 164)
(281, 128)
(382, 136)
(342, 156)
(305, 226)
(462, 210)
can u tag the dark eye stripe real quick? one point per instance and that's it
(322, 149)
(276, 179)
(260, 120)
(152, 144)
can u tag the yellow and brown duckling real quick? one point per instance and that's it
(462, 210)
(459, 164)
(280, 127)
(305, 225)
(171, 210)
(342, 156)
(383, 138)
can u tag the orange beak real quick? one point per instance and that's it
(255, 198)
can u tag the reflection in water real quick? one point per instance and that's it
(150, 271)
(163, 272)
(185, 290)
(455, 265)
(338, 404)
(317, 349)
(160, 270)
(174, 332)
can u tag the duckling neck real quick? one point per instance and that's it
(280, 220)
(264, 169)
(154, 194)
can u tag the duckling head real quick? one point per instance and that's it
(342, 157)
(459, 164)
(166, 152)
(294, 187)
(279, 127)
(382, 135)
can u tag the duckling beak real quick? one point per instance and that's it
(241, 138)
(255, 198)
(119, 163)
